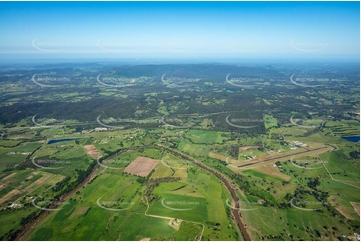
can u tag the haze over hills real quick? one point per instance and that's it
(153, 121)
(261, 136)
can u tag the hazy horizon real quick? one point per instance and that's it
(192, 31)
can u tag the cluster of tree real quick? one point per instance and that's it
(81, 177)
(82, 174)
(61, 184)
(11, 234)
(311, 132)
(118, 107)
(313, 183)
(233, 150)
(155, 182)
(141, 180)
(29, 218)
(355, 154)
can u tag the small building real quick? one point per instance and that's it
(100, 129)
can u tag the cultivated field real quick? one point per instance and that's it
(141, 166)
(92, 151)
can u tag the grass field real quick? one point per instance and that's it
(201, 198)
(9, 143)
(27, 183)
(343, 128)
(92, 222)
(254, 173)
(269, 121)
(162, 170)
(178, 206)
(202, 136)
(293, 224)
(108, 191)
(20, 188)
(112, 206)
(11, 156)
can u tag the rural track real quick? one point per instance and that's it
(336, 179)
(224, 180)
(164, 217)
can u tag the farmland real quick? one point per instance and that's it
(152, 160)
(120, 196)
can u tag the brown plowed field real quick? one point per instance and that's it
(92, 151)
(141, 166)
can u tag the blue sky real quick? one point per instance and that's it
(180, 29)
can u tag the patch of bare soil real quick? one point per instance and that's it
(92, 151)
(141, 166)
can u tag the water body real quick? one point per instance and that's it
(352, 138)
(53, 141)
